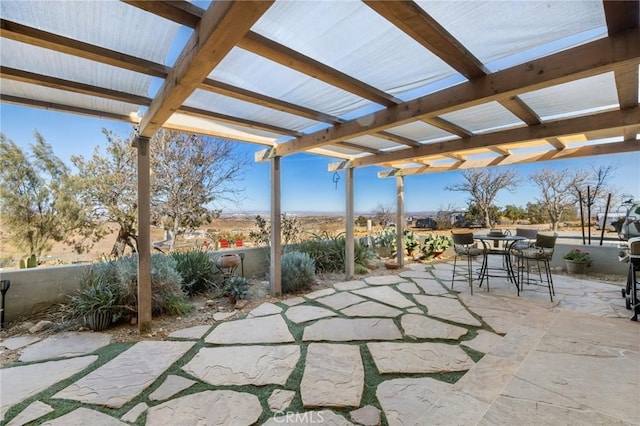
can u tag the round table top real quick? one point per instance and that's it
(499, 237)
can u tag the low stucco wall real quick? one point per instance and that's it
(605, 258)
(34, 290)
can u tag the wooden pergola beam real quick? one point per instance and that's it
(521, 110)
(621, 15)
(586, 60)
(287, 57)
(447, 126)
(586, 151)
(618, 119)
(556, 143)
(415, 22)
(360, 148)
(219, 30)
(397, 138)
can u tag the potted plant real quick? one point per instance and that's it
(435, 245)
(236, 288)
(385, 242)
(96, 302)
(411, 242)
(577, 261)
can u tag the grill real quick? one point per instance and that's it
(632, 255)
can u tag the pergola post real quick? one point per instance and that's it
(349, 266)
(144, 235)
(275, 268)
(400, 220)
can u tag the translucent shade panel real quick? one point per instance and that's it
(46, 94)
(351, 37)
(420, 131)
(110, 24)
(60, 65)
(237, 108)
(244, 69)
(188, 123)
(483, 118)
(575, 98)
(492, 30)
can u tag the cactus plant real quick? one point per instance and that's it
(28, 262)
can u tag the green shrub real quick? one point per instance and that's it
(166, 285)
(298, 272)
(238, 287)
(197, 271)
(329, 253)
(360, 270)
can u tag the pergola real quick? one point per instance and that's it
(414, 86)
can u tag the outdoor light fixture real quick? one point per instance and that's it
(4, 287)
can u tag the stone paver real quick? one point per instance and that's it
(300, 314)
(280, 399)
(132, 415)
(34, 411)
(366, 416)
(320, 293)
(333, 376)
(83, 417)
(244, 365)
(487, 378)
(264, 309)
(269, 329)
(391, 357)
(349, 285)
(340, 300)
(408, 287)
(386, 295)
(454, 404)
(431, 286)
(124, 377)
(324, 418)
(421, 327)
(407, 401)
(221, 316)
(415, 310)
(172, 385)
(65, 345)
(191, 333)
(415, 274)
(484, 341)
(22, 382)
(221, 407)
(293, 301)
(384, 280)
(448, 309)
(518, 343)
(371, 309)
(13, 343)
(344, 330)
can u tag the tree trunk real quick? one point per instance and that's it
(122, 241)
(174, 233)
(487, 219)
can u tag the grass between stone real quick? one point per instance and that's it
(372, 377)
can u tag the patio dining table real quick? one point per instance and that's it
(499, 245)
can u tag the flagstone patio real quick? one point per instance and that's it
(398, 349)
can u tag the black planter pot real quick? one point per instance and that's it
(99, 321)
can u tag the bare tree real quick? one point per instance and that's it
(598, 182)
(483, 185)
(383, 214)
(557, 191)
(190, 173)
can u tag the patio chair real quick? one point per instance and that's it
(465, 246)
(542, 252)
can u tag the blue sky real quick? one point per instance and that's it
(306, 183)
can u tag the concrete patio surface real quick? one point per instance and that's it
(400, 349)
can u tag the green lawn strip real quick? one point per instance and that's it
(63, 406)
